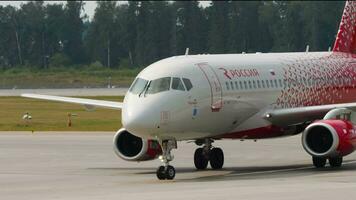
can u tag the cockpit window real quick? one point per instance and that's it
(177, 84)
(138, 86)
(187, 84)
(159, 85)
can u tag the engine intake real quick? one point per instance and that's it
(328, 138)
(132, 148)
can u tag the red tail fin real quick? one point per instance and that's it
(346, 36)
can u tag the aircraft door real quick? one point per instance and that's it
(214, 84)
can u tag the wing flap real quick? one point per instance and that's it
(86, 102)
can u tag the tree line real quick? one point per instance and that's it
(138, 33)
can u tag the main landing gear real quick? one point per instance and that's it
(166, 171)
(320, 162)
(208, 153)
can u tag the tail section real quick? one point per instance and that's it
(346, 36)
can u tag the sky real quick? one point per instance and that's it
(89, 7)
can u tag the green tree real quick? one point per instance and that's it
(138, 33)
(219, 27)
(128, 21)
(54, 23)
(102, 32)
(191, 28)
(153, 31)
(321, 23)
(73, 32)
(11, 34)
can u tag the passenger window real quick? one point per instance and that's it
(267, 83)
(249, 84)
(227, 86)
(254, 84)
(232, 85)
(177, 84)
(263, 83)
(275, 83)
(258, 84)
(241, 87)
(187, 83)
(245, 83)
(236, 85)
(280, 83)
(271, 82)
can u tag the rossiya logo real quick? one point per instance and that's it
(226, 73)
(232, 73)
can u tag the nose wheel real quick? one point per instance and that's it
(203, 156)
(166, 172)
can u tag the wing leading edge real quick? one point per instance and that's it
(86, 102)
(291, 116)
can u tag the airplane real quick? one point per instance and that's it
(203, 98)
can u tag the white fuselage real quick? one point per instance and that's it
(230, 93)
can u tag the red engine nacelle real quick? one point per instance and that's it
(329, 138)
(132, 148)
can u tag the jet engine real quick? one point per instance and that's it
(329, 138)
(132, 148)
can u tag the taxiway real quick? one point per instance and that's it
(53, 165)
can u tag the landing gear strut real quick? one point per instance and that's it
(208, 153)
(166, 171)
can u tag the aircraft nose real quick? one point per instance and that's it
(137, 120)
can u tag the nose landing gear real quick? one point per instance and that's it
(208, 153)
(166, 171)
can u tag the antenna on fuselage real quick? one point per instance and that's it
(186, 51)
(307, 49)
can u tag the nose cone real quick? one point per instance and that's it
(138, 119)
(138, 123)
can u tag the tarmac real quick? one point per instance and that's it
(78, 165)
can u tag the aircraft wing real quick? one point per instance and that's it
(291, 116)
(88, 103)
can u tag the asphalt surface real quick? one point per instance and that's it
(83, 166)
(67, 92)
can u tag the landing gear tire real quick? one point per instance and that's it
(166, 173)
(200, 160)
(216, 158)
(335, 161)
(319, 162)
(170, 172)
(161, 174)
